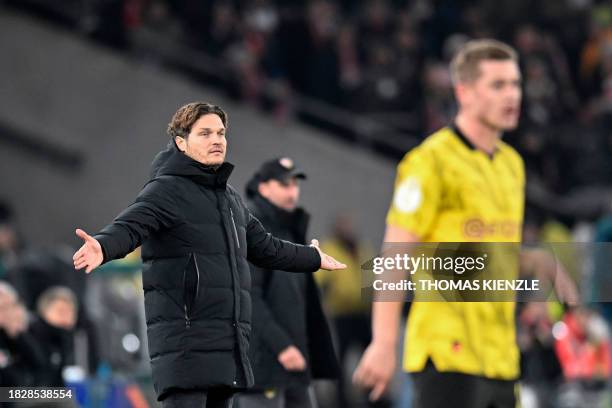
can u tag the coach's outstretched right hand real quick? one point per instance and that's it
(89, 256)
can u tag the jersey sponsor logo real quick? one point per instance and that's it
(408, 196)
(477, 228)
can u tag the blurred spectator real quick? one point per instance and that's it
(349, 64)
(595, 49)
(377, 25)
(321, 57)
(223, 30)
(583, 347)
(549, 92)
(157, 27)
(247, 52)
(54, 329)
(439, 105)
(21, 356)
(540, 368)
(9, 242)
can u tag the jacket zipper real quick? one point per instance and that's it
(235, 282)
(195, 262)
(187, 320)
(235, 229)
(187, 317)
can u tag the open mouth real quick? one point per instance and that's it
(510, 111)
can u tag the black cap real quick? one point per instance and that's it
(281, 169)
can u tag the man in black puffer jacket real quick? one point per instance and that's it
(290, 346)
(197, 237)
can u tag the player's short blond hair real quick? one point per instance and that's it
(465, 66)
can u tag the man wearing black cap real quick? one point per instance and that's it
(291, 342)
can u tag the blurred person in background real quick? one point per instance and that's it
(21, 354)
(9, 242)
(39, 269)
(583, 347)
(290, 346)
(197, 237)
(540, 370)
(343, 298)
(54, 330)
(440, 196)
(438, 107)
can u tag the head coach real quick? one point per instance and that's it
(197, 238)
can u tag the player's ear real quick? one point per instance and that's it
(462, 93)
(263, 188)
(180, 143)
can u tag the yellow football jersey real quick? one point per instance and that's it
(448, 191)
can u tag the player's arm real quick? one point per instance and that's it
(541, 264)
(411, 216)
(377, 366)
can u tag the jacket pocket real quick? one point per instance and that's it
(191, 287)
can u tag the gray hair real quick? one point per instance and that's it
(6, 289)
(53, 294)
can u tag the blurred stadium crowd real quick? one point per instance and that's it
(386, 61)
(379, 68)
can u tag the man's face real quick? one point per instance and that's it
(7, 304)
(283, 194)
(206, 142)
(60, 313)
(8, 240)
(494, 98)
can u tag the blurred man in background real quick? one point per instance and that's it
(462, 184)
(291, 342)
(54, 329)
(21, 354)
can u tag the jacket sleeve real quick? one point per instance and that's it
(267, 251)
(152, 210)
(271, 333)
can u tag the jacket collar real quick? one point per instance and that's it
(176, 163)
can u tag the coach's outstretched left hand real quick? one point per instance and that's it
(327, 262)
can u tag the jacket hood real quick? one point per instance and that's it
(173, 162)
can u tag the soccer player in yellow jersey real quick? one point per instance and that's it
(462, 184)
